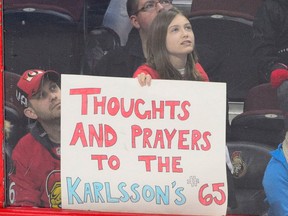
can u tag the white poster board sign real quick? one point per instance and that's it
(157, 149)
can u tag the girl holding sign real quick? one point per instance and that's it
(171, 55)
(172, 39)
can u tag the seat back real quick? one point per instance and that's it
(99, 42)
(249, 161)
(237, 8)
(15, 121)
(261, 97)
(262, 120)
(226, 27)
(41, 37)
(107, 38)
(71, 9)
(11, 103)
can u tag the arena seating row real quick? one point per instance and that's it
(254, 133)
(224, 25)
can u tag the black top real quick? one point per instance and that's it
(271, 37)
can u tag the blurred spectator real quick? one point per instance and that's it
(271, 38)
(271, 54)
(116, 18)
(123, 62)
(275, 180)
(35, 177)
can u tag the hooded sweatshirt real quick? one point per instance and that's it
(275, 181)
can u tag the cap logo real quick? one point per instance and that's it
(21, 98)
(29, 76)
(30, 82)
(239, 165)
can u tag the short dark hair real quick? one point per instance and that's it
(132, 6)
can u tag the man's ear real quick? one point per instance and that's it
(30, 113)
(134, 21)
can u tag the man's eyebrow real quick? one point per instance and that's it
(37, 93)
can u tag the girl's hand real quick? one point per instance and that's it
(144, 79)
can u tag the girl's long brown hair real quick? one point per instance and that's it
(157, 53)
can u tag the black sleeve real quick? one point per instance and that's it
(113, 64)
(210, 60)
(266, 27)
(101, 66)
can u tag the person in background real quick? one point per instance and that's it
(35, 177)
(275, 180)
(270, 49)
(123, 61)
(270, 46)
(171, 55)
(270, 40)
(117, 19)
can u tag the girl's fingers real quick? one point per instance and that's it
(144, 79)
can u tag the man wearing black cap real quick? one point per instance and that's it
(37, 154)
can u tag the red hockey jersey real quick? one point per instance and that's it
(35, 178)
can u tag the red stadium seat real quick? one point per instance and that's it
(99, 42)
(249, 161)
(16, 122)
(43, 34)
(262, 120)
(226, 27)
(237, 8)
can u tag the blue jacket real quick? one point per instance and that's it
(275, 183)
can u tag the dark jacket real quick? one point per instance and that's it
(271, 37)
(123, 61)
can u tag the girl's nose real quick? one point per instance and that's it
(184, 33)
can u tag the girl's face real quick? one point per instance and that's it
(180, 37)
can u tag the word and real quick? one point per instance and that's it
(106, 136)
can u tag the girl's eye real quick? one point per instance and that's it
(188, 27)
(174, 29)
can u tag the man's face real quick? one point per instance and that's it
(143, 19)
(46, 103)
